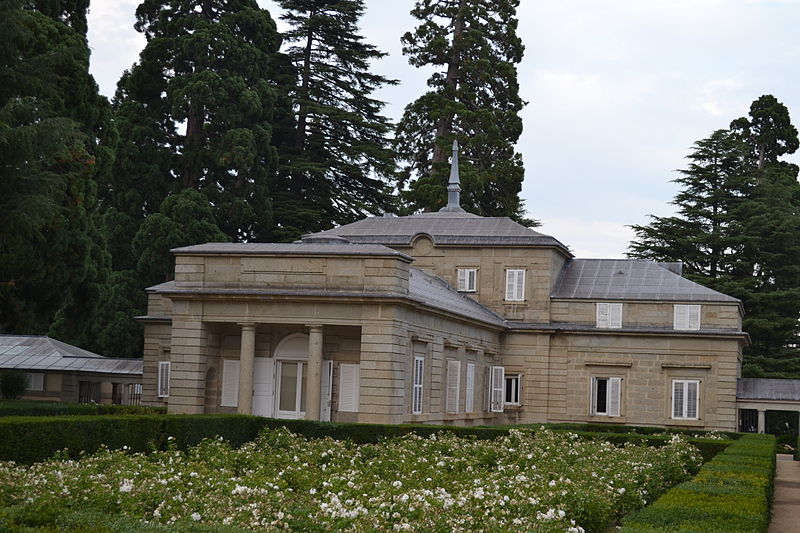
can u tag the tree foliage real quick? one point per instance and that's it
(196, 112)
(737, 226)
(473, 98)
(336, 163)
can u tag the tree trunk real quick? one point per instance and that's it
(192, 146)
(305, 82)
(444, 125)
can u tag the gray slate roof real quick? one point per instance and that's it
(768, 389)
(448, 227)
(435, 292)
(297, 248)
(630, 279)
(24, 352)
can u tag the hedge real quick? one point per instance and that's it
(732, 492)
(641, 430)
(31, 439)
(36, 408)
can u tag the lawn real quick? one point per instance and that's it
(542, 481)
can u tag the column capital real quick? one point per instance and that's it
(247, 325)
(314, 327)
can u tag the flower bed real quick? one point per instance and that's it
(544, 482)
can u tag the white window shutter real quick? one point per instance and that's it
(498, 380)
(163, 379)
(691, 399)
(520, 286)
(348, 387)
(613, 402)
(230, 383)
(677, 399)
(693, 317)
(510, 284)
(681, 317)
(462, 279)
(614, 315)
(417, 385)
(325, 391)
(453, 382)
(602, 315)
(470, 388)
(594, 396)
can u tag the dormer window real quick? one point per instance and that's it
(467, 279)
(609, 315)
(515, 285)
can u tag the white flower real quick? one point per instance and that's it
(196, 516)
(126, 486)
(397, 484)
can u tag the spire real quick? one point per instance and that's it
(454, 185)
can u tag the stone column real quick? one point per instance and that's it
(761, 420)
(246, 361)
(314, 385)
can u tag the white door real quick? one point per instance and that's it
(264, 386)
(291, 394)
(325, 396)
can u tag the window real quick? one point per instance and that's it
(466, 279)
(515, 285)
(609, 315)
(418, 380)
(88, 392)
(687, 317)
(348, 387)
(453, 385)
(685, 399)
(496, 384)
(163, 379)
(513, 384)
(470, 399)
(35, 381)
(606, 396)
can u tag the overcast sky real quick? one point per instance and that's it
(617, 92)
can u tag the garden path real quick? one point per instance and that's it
(786, 506)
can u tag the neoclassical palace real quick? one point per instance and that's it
(443, 317)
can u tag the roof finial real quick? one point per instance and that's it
(454, 185)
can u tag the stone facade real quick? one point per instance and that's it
(371, 315)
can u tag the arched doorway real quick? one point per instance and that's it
(291, 376)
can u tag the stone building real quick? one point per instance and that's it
(442, 317)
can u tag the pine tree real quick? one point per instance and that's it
(196, 112)
(336, 164)
(57, 143)
(738, 228)
(474, 98)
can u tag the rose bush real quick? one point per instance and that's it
(542, 481)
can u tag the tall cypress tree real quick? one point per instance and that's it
(738, 227)
(196, 112)
(474, 98)
(336, 164)
(57, 143)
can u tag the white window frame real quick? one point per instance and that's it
(497, 384)
(680, 405)
(35, 381)
(516, 395)
(613, 396)
(164, 368)
(515, 285)
(453, 386)
(609, 315)
(417, 385)
(467, 279)
(687, 317)
(469, 400)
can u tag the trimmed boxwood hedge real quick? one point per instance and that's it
(732, 492)
(36, 408)
(31, 439)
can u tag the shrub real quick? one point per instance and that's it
(732, 492)
(13, 383)
(36, 408)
